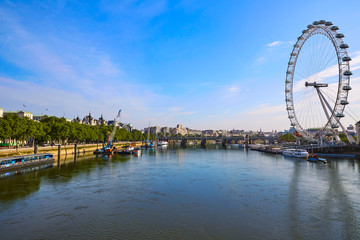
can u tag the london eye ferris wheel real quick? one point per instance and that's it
(318, 81)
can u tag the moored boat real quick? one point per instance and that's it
(162, 143)
(107, 149)
(316, 158)
(298, 153)
(104, 150)
(137, 151)
(127, 150)
(15, 162)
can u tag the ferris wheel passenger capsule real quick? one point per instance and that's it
(328, 23)
(322, 22)
(310, 26)
(340, 115)
(293, 124)
(344, 45)
(347, 73)
(334, 28)
(316, 23)
(346, 59)
(347, 88)
(339, 35)
(304, 31)
(344, 102)
(334, 125)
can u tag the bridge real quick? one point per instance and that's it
(222, 139)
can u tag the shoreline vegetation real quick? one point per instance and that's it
(16, 132)
(65, 149)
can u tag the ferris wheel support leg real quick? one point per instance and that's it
(322, 99)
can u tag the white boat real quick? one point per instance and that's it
(299, 153)
(162, 143)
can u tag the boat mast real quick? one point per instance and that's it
(148, 136)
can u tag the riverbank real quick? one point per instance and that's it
(64, 149)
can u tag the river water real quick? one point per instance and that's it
(176, 193)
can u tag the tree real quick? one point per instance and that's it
(287, 137)
(16, 125)
(137, 135)
(5, 129)
(58, 129)
(343, 137)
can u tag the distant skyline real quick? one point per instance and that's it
(202, 64)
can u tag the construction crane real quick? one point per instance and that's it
(107, 148)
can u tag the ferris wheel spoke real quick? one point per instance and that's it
(329, 58)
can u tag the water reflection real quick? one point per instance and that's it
(179, 193)
(18, 186)
(319, 206)
(21, 183)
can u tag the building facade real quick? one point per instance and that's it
(21, 114)
(77, 119)
(102, 121)
(89, 120)
(357, 127)
(39, 117)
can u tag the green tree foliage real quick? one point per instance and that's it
(344, 138)
(287, 137)
(58, 130)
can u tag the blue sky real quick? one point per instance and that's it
(203, 64)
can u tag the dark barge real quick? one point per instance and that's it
(16, 162)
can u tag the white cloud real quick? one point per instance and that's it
(184, 113)
(179, 111)
(266, 109)
(326, 74)
(278, 43)
(260, 60)
(274, 44)
(68, 77)
(234, 89)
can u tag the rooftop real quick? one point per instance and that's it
(17, 112)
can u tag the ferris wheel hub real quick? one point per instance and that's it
(316, 85)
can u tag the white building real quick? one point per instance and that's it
(21, 114)
(350, 129)
(1, 112)
(194, 132)
(39, 117)
(357, 126)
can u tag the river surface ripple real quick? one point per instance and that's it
(188, 193)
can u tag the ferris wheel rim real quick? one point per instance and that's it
(326, 29)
